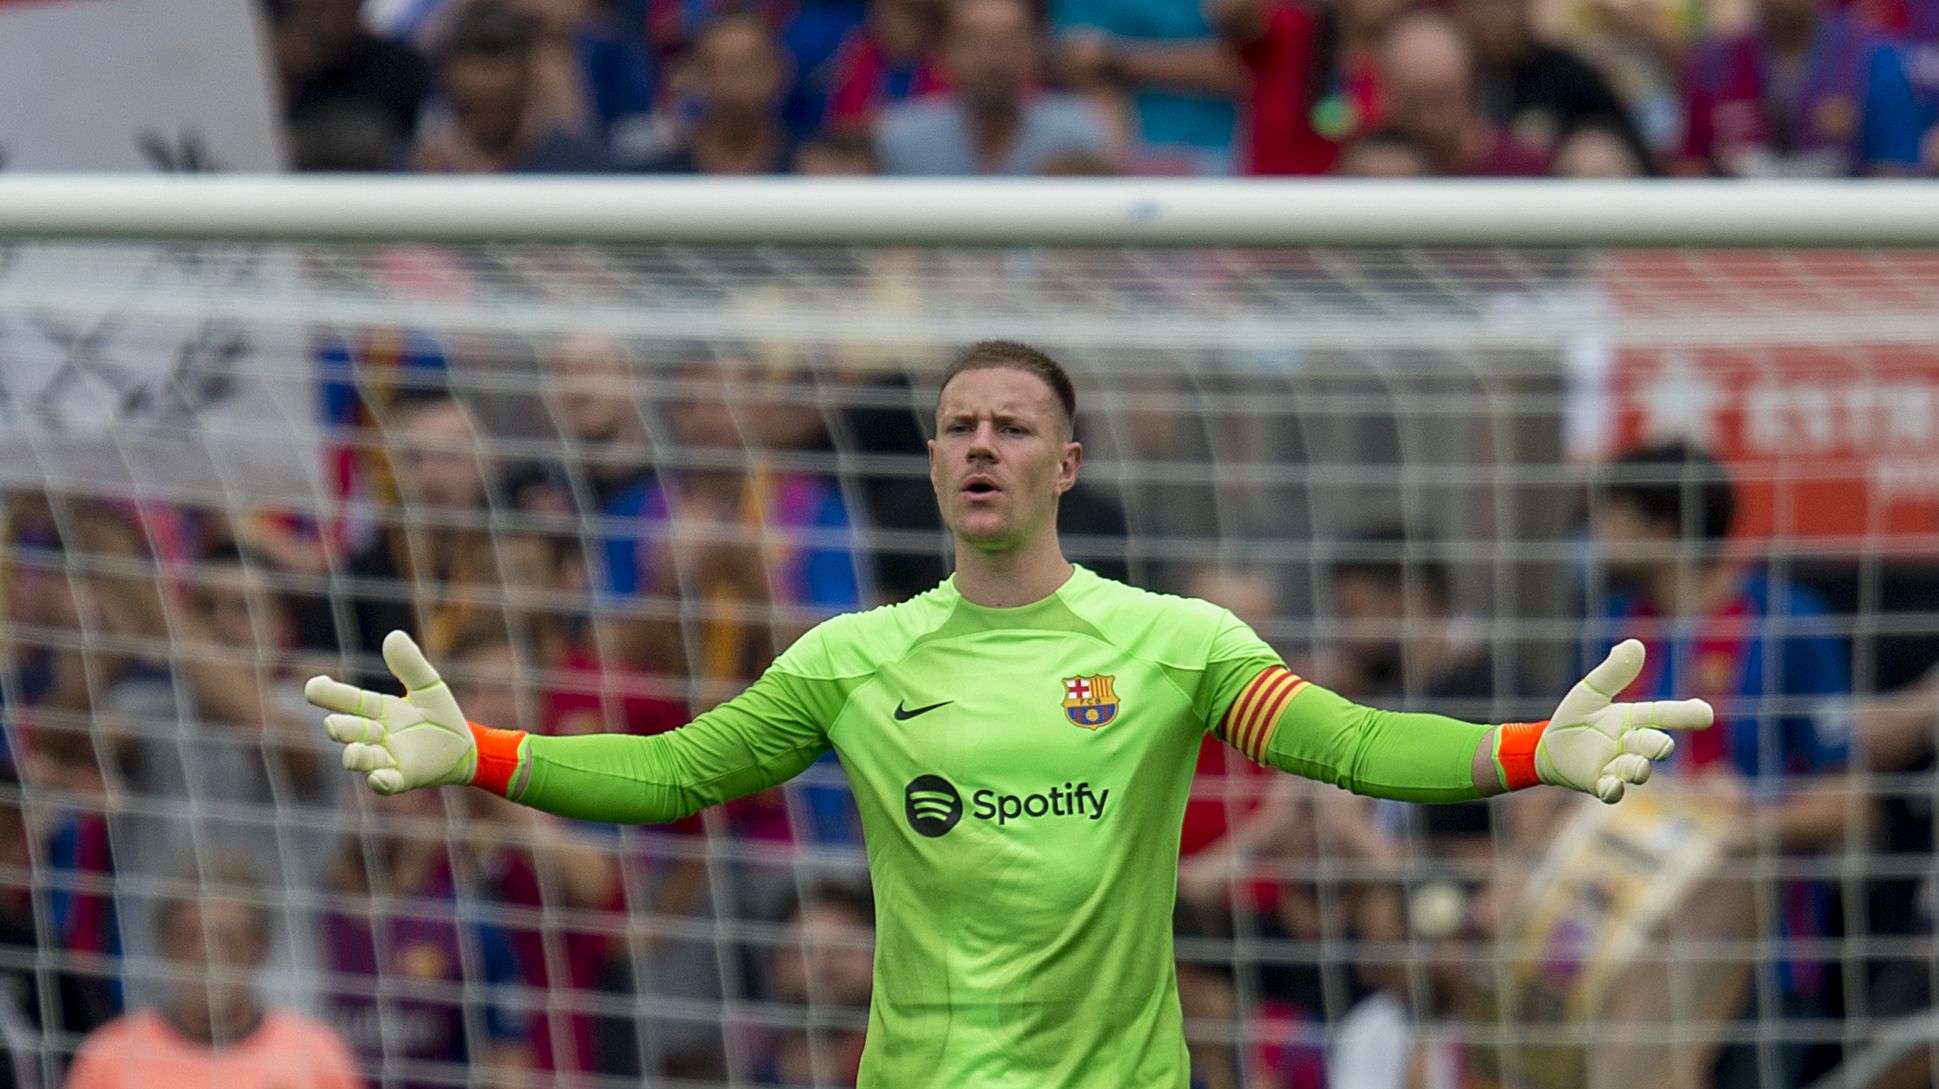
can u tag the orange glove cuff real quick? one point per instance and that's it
(497, 758)
(1515, 753)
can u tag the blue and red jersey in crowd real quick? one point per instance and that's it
(1772, 663)
(1847, 109)
(401, 979)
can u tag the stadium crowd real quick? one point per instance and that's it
(197, 897)
(1383, 88)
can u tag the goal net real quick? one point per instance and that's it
(606, 484)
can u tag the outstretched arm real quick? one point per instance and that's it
(1590, 743)
(764, 736)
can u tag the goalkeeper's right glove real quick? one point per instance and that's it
(1594, 744)
(419, 739)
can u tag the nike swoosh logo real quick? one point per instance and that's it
(904, 715)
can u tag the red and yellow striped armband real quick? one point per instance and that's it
(497, 758)
(1253, 716)
(1515, 753)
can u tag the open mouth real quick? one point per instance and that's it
(980, 487)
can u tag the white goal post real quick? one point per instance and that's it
(1106, 212)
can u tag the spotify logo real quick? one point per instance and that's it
(933, 805)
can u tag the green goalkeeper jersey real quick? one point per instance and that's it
(1022, 776)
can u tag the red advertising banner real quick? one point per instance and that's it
(1830, 436)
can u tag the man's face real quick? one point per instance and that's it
(991, 53)
(738, 69)
(828, 957)
(218, 942)
(1001, 456)
(1429, 83)
(591, 387)
(701, 408)
(227, 596)
(488, 95)
(436, 453)
(1372, 612)
(487, 676)
(1631, 544)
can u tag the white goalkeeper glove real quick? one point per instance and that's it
(419, 739)
(1600, 747)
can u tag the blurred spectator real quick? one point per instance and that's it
(1403, 644)
(1400, 637)
(590, 383)
(888, 59)
(997, 120)
(1914, 26)
(1156, 65)
(710, 419)
(1382, 154)
(837, 155)
(51, 742)
(1763, 653)
(328, 61)
(68, 827)
(739, 76)
(487, 119)
(619, 681)
(1598, 151)
(407, 954)
(726, 527)
(1540, 92)
(749, 553)
(1315, 84)
(589, 78)
(1899, 736)
(42, 1007)
(214, 1029)
(434, 540)
(1428, 73)
(893, 420)
(565, 883)
(824, 964)
(1642, 48)
(1662, 525)
(1807, 92)
(198, 754)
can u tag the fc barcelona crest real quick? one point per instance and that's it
(1090, 702)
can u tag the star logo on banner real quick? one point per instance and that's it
(1679, 401)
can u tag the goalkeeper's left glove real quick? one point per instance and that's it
(1592, 744)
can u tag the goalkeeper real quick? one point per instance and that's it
(1020, 741)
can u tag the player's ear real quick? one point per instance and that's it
(1067, 469)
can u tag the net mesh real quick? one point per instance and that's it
(606, 485)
